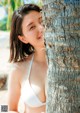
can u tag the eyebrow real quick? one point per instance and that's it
(33, 22)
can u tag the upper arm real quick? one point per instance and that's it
(13, 90)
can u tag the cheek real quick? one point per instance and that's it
(33, 34)
(30, 37)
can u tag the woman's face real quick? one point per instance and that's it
(33, 30)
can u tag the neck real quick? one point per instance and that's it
(40, 55)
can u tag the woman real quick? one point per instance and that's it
(27, 79)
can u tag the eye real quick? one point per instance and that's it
(32, 27)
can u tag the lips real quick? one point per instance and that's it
(40, 37)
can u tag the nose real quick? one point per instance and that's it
(41, 28)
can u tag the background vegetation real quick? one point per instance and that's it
(11, 5)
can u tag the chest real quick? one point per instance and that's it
(33, 89)
(37, 79)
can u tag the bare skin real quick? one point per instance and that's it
(33, 34)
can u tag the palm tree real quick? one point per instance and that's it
(62, 22)
(10, 5)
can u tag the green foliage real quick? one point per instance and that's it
(10, 6)
(40, 3)
(3, 2)
(3, 24)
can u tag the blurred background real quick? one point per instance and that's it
(7, 8)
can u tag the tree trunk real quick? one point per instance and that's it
(62, 22)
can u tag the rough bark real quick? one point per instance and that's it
(62, 22)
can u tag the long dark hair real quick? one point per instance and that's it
(18, 49)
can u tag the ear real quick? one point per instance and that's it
(22, 39)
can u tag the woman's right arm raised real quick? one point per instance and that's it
(14, 90)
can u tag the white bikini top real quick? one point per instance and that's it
(28, 95)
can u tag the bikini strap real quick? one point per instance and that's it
(30, 65)
(26, 77)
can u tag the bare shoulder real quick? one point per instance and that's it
(17, 73)
(20, 69)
